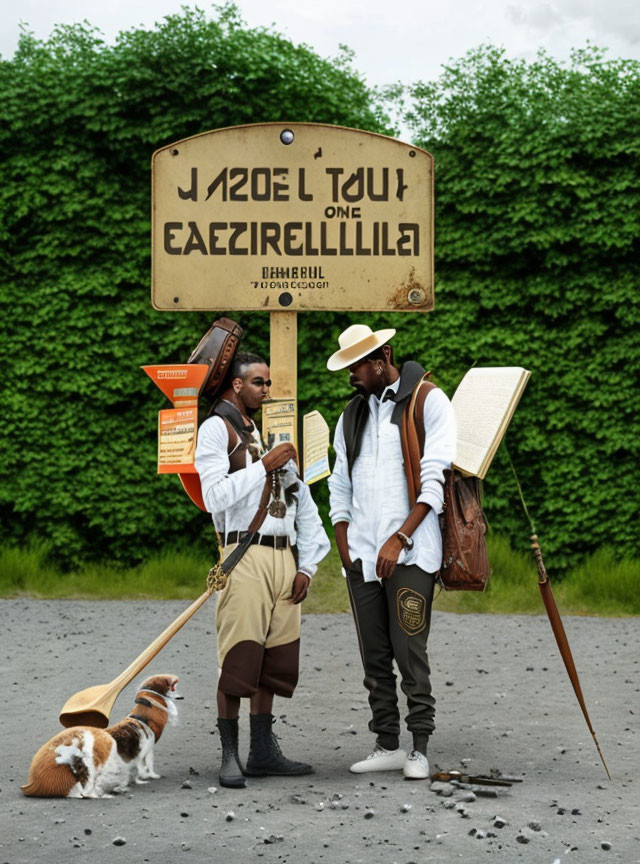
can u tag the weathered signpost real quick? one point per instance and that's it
(289, 217)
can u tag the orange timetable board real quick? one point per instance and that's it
(178, 426)
(177, 432)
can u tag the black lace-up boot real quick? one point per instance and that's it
(230, 770)
(265, 756)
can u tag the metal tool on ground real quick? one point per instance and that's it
(459, 778)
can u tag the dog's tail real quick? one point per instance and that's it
(56, 776)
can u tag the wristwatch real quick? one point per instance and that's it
(407, 542)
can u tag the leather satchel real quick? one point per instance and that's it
(217, 349)
(465, 563)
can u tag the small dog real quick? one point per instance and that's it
(87, 762)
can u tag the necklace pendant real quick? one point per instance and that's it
(278, 509)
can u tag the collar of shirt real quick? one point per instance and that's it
(386, 396)
(392, 388)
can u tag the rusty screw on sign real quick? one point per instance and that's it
(416, 296)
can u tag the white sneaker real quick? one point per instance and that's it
(416, 766)
(380, 760)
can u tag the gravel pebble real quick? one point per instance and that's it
(468, 797)
(442, 789)
(119, 841)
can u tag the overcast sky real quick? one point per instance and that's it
(392, 40)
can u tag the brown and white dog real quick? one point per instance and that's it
(87, 762)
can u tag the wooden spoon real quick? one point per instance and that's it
(92, 707)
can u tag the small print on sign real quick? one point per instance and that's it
(279, 419)
(331, 218)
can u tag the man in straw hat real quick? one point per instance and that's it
(390, 552)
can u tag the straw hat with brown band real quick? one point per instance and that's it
(355, 343)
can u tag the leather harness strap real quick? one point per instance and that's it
(412, 438)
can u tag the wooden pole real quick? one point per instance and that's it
(284, 354)
(283, 337)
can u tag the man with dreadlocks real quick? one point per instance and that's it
(258, 612)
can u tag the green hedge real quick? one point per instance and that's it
(536, 265)
(79, 121)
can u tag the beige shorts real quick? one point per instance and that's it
(258, 627)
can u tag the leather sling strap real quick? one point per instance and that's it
(232, 421)
(230, 562)
(412, 437)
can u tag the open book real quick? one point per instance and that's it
(484, 404)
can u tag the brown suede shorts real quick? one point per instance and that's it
(257, 625)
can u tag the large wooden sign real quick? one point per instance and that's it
(292, 216)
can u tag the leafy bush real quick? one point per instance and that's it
(537, 195)
(79, 122)
(537, 265)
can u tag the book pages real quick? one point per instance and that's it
(315, 437)
(484, 404)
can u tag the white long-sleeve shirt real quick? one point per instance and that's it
(374, 500)
(233, 499)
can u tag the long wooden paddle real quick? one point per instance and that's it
(559, 632)
(92, 707)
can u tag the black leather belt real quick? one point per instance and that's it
(260, 539)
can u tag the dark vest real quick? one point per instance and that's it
(356, 414)
(235, 424)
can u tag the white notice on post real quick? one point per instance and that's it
(315, 433)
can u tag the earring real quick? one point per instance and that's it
(379, 370)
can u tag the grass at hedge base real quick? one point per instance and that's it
(601, 586)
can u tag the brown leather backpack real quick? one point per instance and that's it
(217, 349)
(465, 564)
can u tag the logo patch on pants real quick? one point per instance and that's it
(412, 610)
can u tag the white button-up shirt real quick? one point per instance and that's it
(375, 501)
(233, 499)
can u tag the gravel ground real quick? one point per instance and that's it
(504, 702)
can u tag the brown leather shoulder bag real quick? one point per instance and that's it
(465, 563)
